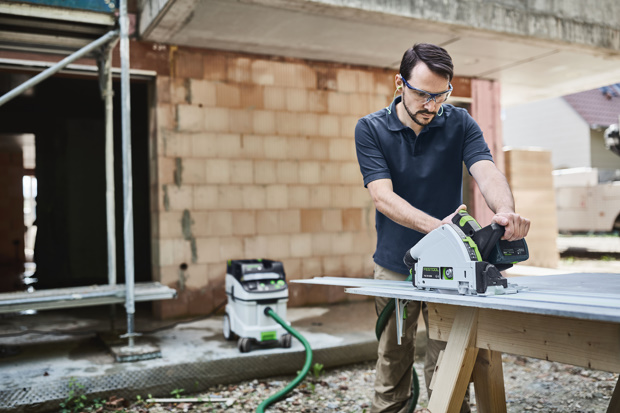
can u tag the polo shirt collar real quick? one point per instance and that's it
(395, 125)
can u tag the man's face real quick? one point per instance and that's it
(421, 112)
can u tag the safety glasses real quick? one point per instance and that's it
(424, 97)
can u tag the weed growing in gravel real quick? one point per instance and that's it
(177, 393)
(77, 402)
(74, 402)
(317, 370)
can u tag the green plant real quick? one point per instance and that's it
(315, 373)
(317, 370)
(75, 402)
(177, 393)
(570, 260)
(97, 404)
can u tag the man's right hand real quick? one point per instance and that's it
(448, 219)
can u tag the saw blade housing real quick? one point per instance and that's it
(465, 258)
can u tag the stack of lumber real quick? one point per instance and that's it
(529, 173)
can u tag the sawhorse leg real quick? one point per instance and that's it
(489, 382)
(457, 364)
(462, 361)
(614, 404)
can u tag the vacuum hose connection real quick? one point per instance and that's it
(304, 371)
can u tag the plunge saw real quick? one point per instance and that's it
(465, 258)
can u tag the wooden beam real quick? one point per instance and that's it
(585, 343)
(614, 404)
(462, 87)
(486, 110)
(489, 382)
(437, 364)
(456, 365)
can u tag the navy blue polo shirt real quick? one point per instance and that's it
(426, 170)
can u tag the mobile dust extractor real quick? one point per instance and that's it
(256, 313)
(252, 287)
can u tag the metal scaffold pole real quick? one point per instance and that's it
(58, 67)
(104, 62)
(127, 173)
(109, 167)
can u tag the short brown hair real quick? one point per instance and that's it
(435, 57)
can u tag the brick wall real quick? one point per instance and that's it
(255, 158)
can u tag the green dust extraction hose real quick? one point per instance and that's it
(280, 395)
(382, 321)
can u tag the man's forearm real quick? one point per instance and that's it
(498, 195)
(398, 210)
(494, 187)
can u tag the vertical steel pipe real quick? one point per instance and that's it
(108, 95)
(127, 172)
(107, 92)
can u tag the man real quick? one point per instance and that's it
(411, 155)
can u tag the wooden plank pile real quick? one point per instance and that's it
(529, 173)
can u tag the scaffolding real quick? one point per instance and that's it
(112, 293)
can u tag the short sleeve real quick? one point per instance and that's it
(475, 148)
(369, 155)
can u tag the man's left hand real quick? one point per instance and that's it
(516, 227)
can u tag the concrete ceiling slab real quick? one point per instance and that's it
(528, 68)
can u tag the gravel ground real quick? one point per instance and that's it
(531, 385)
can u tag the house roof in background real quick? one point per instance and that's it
(598, 107)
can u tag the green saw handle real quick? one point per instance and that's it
(485, 238)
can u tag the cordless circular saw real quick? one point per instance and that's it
(462, 256)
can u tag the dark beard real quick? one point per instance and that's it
(413, 115)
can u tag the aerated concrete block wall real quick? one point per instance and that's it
(255, 158)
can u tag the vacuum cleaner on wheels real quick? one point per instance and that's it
(253, 288)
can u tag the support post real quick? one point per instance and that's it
(108, 95)
(104, 63)
(486, 110)
(127, 173)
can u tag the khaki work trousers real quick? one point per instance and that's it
(395, 362)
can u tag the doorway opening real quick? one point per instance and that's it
(54, 137)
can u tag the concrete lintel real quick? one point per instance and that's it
(164, 17)
(585, 23)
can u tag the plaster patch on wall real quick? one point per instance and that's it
(194, 250)
(182, 278)
(164, 137)
(178, 172)
(186, 227)
(166, 198)
(188, 91)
